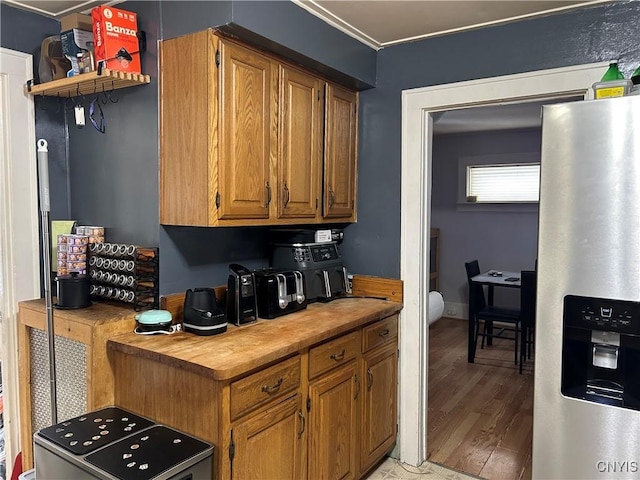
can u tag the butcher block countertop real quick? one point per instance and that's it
(98, 313)
(242, 349)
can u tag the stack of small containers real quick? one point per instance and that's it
(72, 249)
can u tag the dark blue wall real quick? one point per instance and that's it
(291, 26)
(282, 22)
(114, 177)
(600, 33)
(179, 18)
(23, 31)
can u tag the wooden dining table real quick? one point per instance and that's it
(491, 278)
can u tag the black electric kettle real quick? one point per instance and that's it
(203, 315)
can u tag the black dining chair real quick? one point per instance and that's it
(508, 318)
(528, 285)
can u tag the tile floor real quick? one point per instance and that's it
(392, 469)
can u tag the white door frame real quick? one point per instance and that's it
(19, 245)
(417, 132)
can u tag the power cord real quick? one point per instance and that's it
(169, 331)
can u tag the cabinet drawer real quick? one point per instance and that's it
(331, 354)
(380, 332)
(263, 386)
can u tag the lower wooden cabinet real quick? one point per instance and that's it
(378, 427)
(329, 411)
(269, 444)
(333, 424)
(353, 408)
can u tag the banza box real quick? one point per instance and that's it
(115, 37)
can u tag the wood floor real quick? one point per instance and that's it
(480, 414)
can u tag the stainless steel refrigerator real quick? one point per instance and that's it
(586, 422)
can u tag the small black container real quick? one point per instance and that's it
(73, 291)
(203, 315)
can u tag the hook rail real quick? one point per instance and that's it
(87, 83)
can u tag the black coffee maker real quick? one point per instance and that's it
(242, 306)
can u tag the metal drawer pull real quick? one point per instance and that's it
(286, 195)
(302, 423)
(268, 188)
(357, 380)
(273, 388)
(332, 197)
(369, 379)
(338, 356)
(384, 332)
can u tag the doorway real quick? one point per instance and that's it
(418, 107)
(19, 254)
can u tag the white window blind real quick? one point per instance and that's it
(506, 183)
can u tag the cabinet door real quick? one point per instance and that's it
(300, 144)
(332, 424)
(187, 98)
(379, 413)
(247, 112)
(341, 129)
(269, 444)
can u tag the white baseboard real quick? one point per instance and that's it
(456, 310)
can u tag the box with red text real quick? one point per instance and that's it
(115, 35)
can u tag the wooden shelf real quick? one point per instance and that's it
(88, 84)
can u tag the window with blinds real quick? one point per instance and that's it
(505, 183)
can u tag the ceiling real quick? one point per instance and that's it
(379, 23)
(383, 23)
(57, 8)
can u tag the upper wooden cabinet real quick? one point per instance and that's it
(249, 139)
(244, 130)
(300, 144)
(341, 127)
